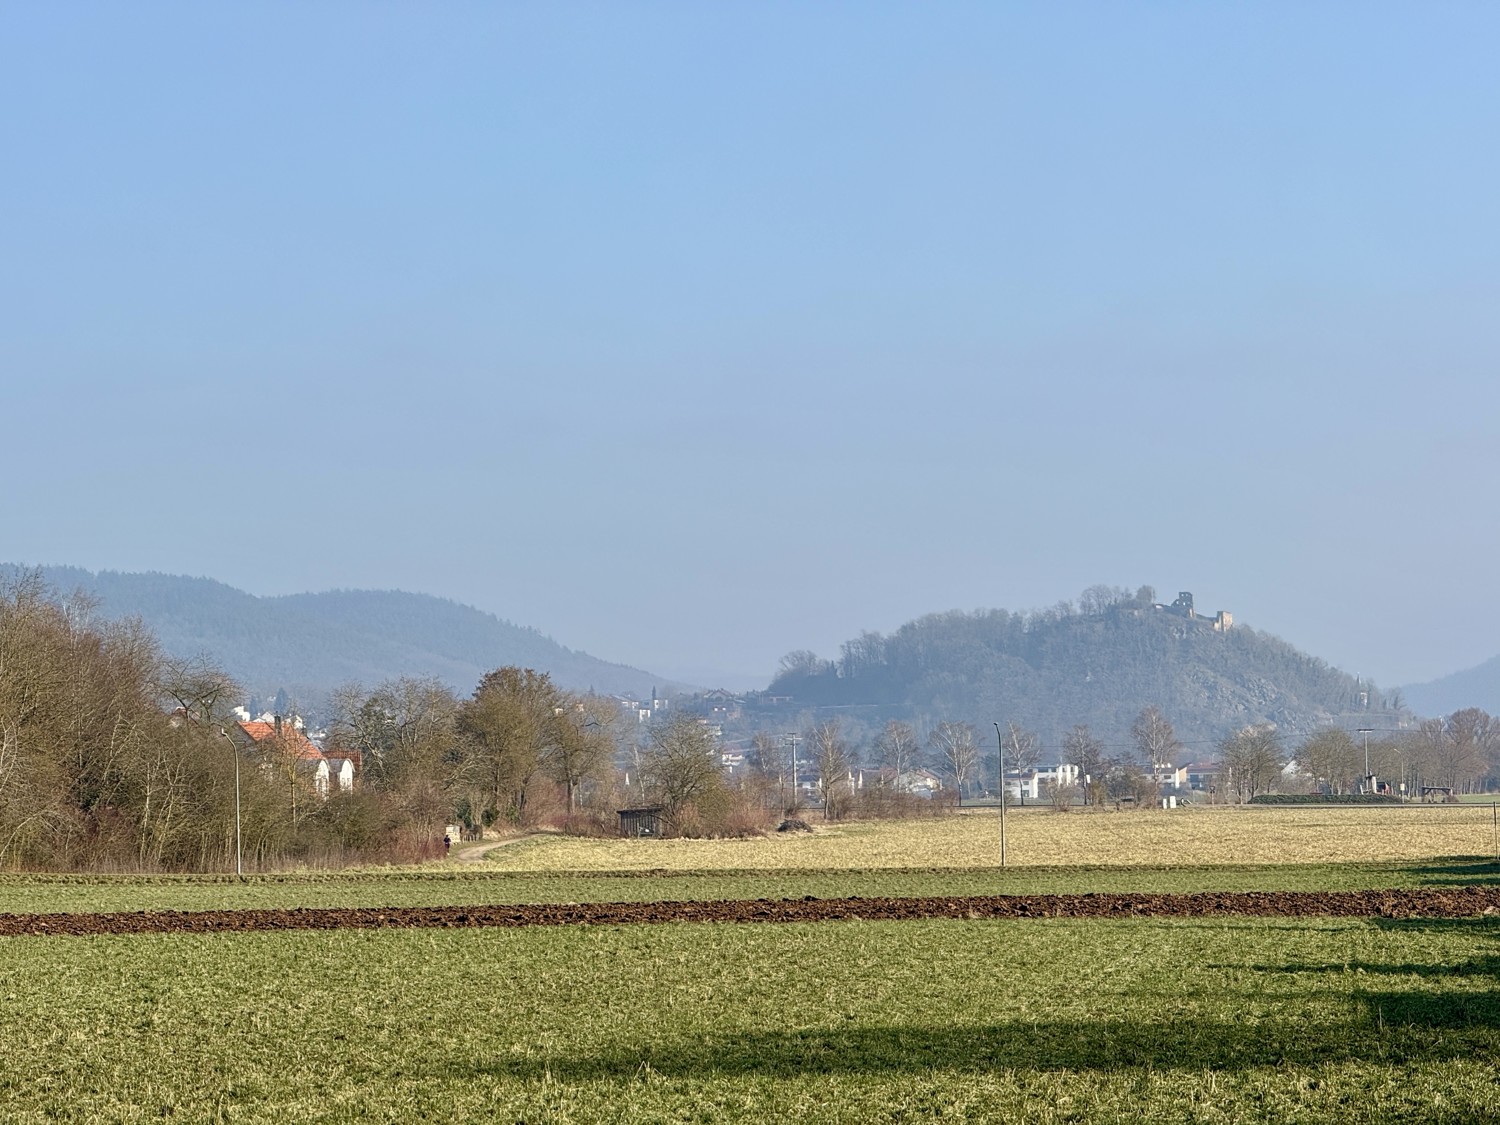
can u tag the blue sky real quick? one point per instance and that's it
(692, 334)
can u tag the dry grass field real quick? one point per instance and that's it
(1041, 837)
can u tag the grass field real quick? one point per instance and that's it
(1040, 837)
(446, 886)
(1186, 850)
(1211, 1021)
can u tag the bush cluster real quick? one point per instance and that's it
(1323, 799)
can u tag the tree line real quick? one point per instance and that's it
(1457, 754)
(113, 756)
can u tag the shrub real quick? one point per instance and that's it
(1323, 799)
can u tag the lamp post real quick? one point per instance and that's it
(1000, 741)
(1366, 731)
(791, 741)
(239, 855)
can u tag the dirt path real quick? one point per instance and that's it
(1462, 902)
(473, 853)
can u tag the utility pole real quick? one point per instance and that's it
(239, 856)
(1367, 731)
(791, 741)
(1000, 739)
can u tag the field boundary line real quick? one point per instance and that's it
(1459, 902)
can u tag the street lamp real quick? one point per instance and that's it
(239, 855)
(1366, 731)
(1001, 741)
(791, 741)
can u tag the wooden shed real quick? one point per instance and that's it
(641, 822)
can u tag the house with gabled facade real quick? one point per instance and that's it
(282, 743)
(343, 767)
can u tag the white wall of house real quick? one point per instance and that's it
(1037, 784)
(1060, 773)
(319, 772)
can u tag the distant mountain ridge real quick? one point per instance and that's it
(310, 644)
(1478, 686)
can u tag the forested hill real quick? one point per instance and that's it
(1052, 669)
(309, 644)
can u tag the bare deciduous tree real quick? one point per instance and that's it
(1471, 736)
(1252, 760)
(402, 729)
(1022, 750)
(1082, 749)
(770, 760)
(680, 767)
(957, 748)
(1330, 756)
(202, 691)
(896, 748)
(511, 723)
(831, 758)
(584, 746)
(1155, 740)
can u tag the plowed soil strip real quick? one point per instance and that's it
(1464, 902)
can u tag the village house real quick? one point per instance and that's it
(1040, 783)
(721, 704)
(284, 737)
(1170, 776)
(917, 781)
(1202, 776)
(343, 767)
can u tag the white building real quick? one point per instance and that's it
(1038, 784)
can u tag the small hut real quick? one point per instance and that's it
(641, 822)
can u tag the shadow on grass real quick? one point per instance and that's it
(1473, 928)
(1483, 966)
(1397, 1027)
(1459, 873)
(1394, 1028)
(1441, 1011)
(1482, 927)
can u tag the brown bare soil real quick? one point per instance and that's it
(1461, 902)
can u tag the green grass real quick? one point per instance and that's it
(1221, 1020)
(448, 885)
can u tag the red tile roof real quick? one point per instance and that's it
(260, 732)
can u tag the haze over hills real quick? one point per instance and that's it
(1478, 686)
(1098, 664)
(309, 644)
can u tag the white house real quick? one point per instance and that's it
(1170, 777)
(340, 774)
(1039, 783)
(917, 781)
(278, 737)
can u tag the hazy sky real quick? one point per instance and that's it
(694, 333)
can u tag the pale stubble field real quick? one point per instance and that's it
(1039, 837)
